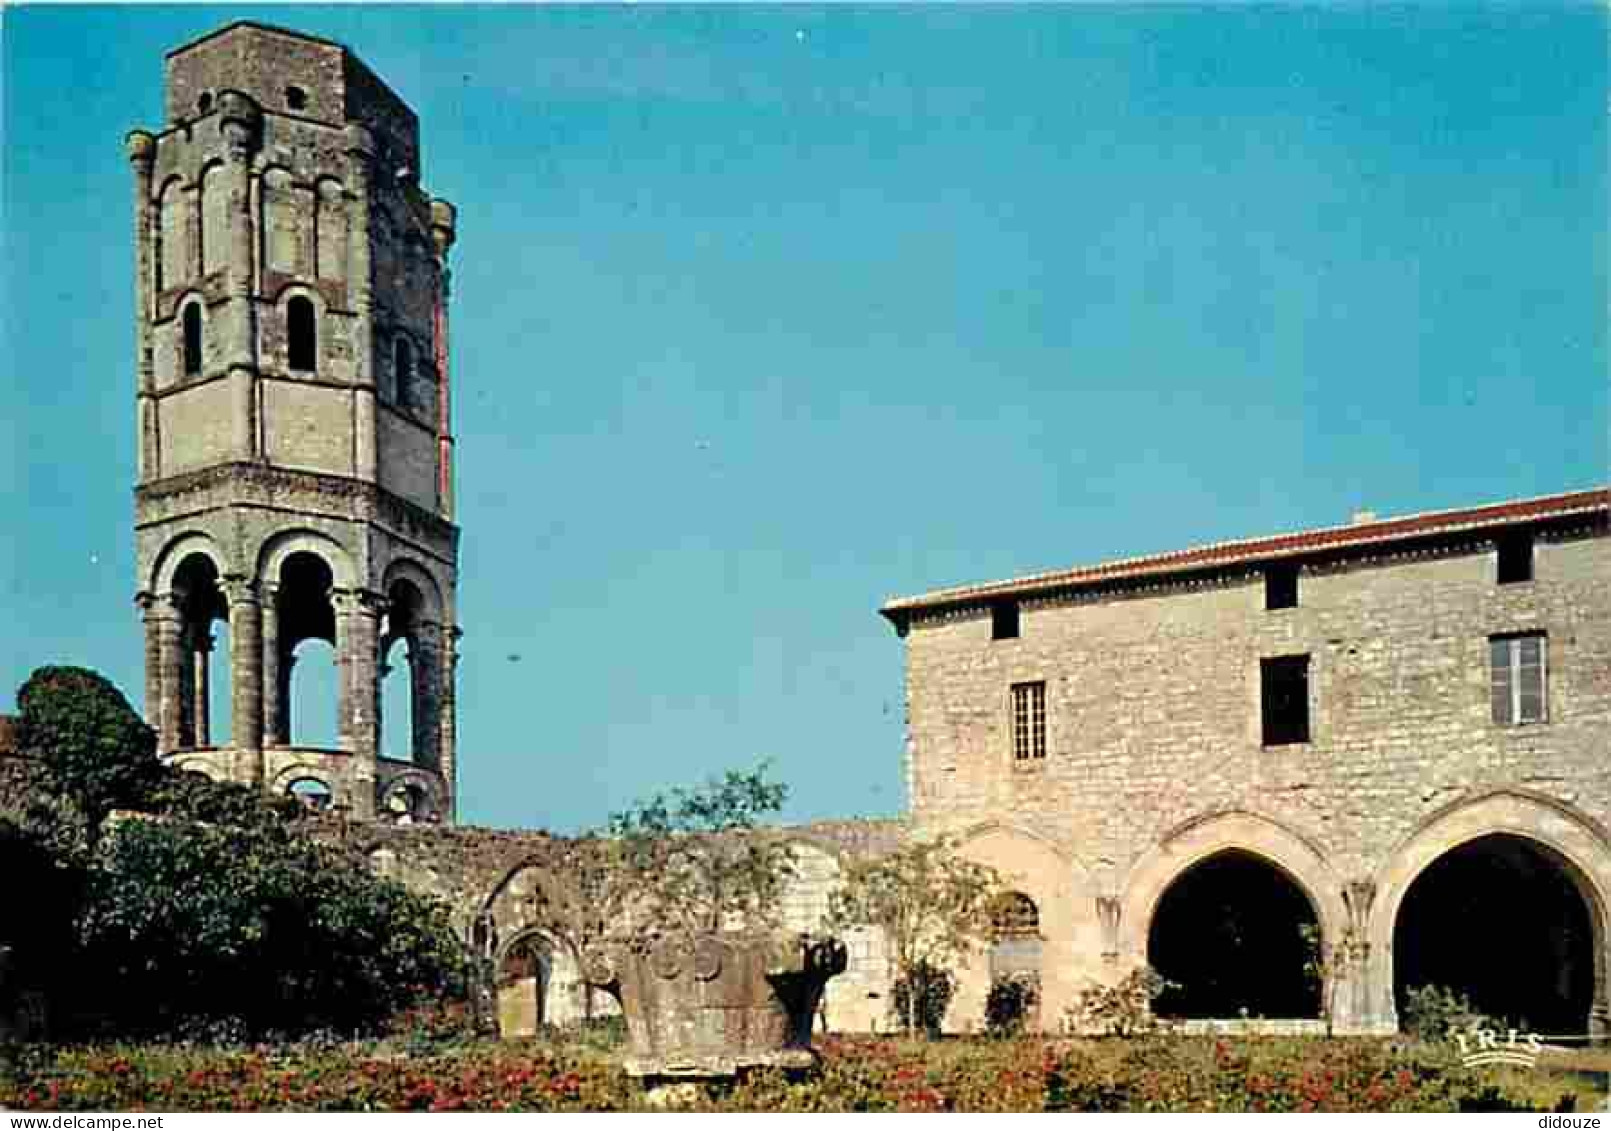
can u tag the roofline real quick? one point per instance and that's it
(1248, 551)
(259, 26)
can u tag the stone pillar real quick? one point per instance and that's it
(152, 622)
(444, 229)
(360, 157)
(201, 656)
(246, 675)
(447, 708)
(142, 148)
(239, 121)
(272, 680)
(425, 673)
(170, 667)
(359, 613)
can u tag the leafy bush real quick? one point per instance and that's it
(213, 930)
(922, 994)
(1433, 1013)
(1123, 1009)
(1011, 1003)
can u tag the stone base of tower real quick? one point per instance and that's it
(383, 789)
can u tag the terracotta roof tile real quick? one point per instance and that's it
(1247, 551)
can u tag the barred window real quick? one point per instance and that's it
(1028, 721)
(1517, 678)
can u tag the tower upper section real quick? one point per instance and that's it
(293, 276)
(292, 75)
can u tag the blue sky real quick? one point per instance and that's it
(765, 314)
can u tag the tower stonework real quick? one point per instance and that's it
(295, 476)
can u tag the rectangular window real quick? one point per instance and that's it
(1028, 722)
(1281, 586)
(1517, 678)
(1285, 698)
(1004, 620)
(1515, 553)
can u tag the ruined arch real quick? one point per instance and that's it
(1050, 875)
(1576, 844)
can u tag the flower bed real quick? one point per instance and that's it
(857, 1074)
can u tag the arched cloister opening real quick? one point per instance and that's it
(1504, 920)
(1233, 933)
(306, 674)
(525, 974)
(202, 695)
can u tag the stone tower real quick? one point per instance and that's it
(295, 475)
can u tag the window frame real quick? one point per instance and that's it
(1026, 723)
(1273, 736)
(1515, 670)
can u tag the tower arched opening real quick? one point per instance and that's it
(203, 669)
(408, 684)
(1235, 935)
(1507, 922)
(307, 673)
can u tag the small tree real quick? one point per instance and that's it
(698, 856)
(88, 742)
(931, 905)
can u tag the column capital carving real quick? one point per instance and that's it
(366, 602)
(238, 589)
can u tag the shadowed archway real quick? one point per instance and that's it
(1231, 932)
(1503, 920)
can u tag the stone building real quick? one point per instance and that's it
(1395, 734)
(295, 476)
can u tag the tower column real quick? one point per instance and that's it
(272, 685)
(170, 666)
(201, 655)
(447, 714)
(425, 676)
(246, 675)
(239, 121)
(151, 621)
(358, 612)
(142, 149)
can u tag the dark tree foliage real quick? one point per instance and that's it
(254, 931)
(87, 741)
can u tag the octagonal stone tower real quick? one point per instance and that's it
(295, 475)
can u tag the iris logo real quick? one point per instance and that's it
(1485, 1046)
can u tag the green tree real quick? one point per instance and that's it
(190, 924)
(931, 905)
(87, 741)
(699, 856)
